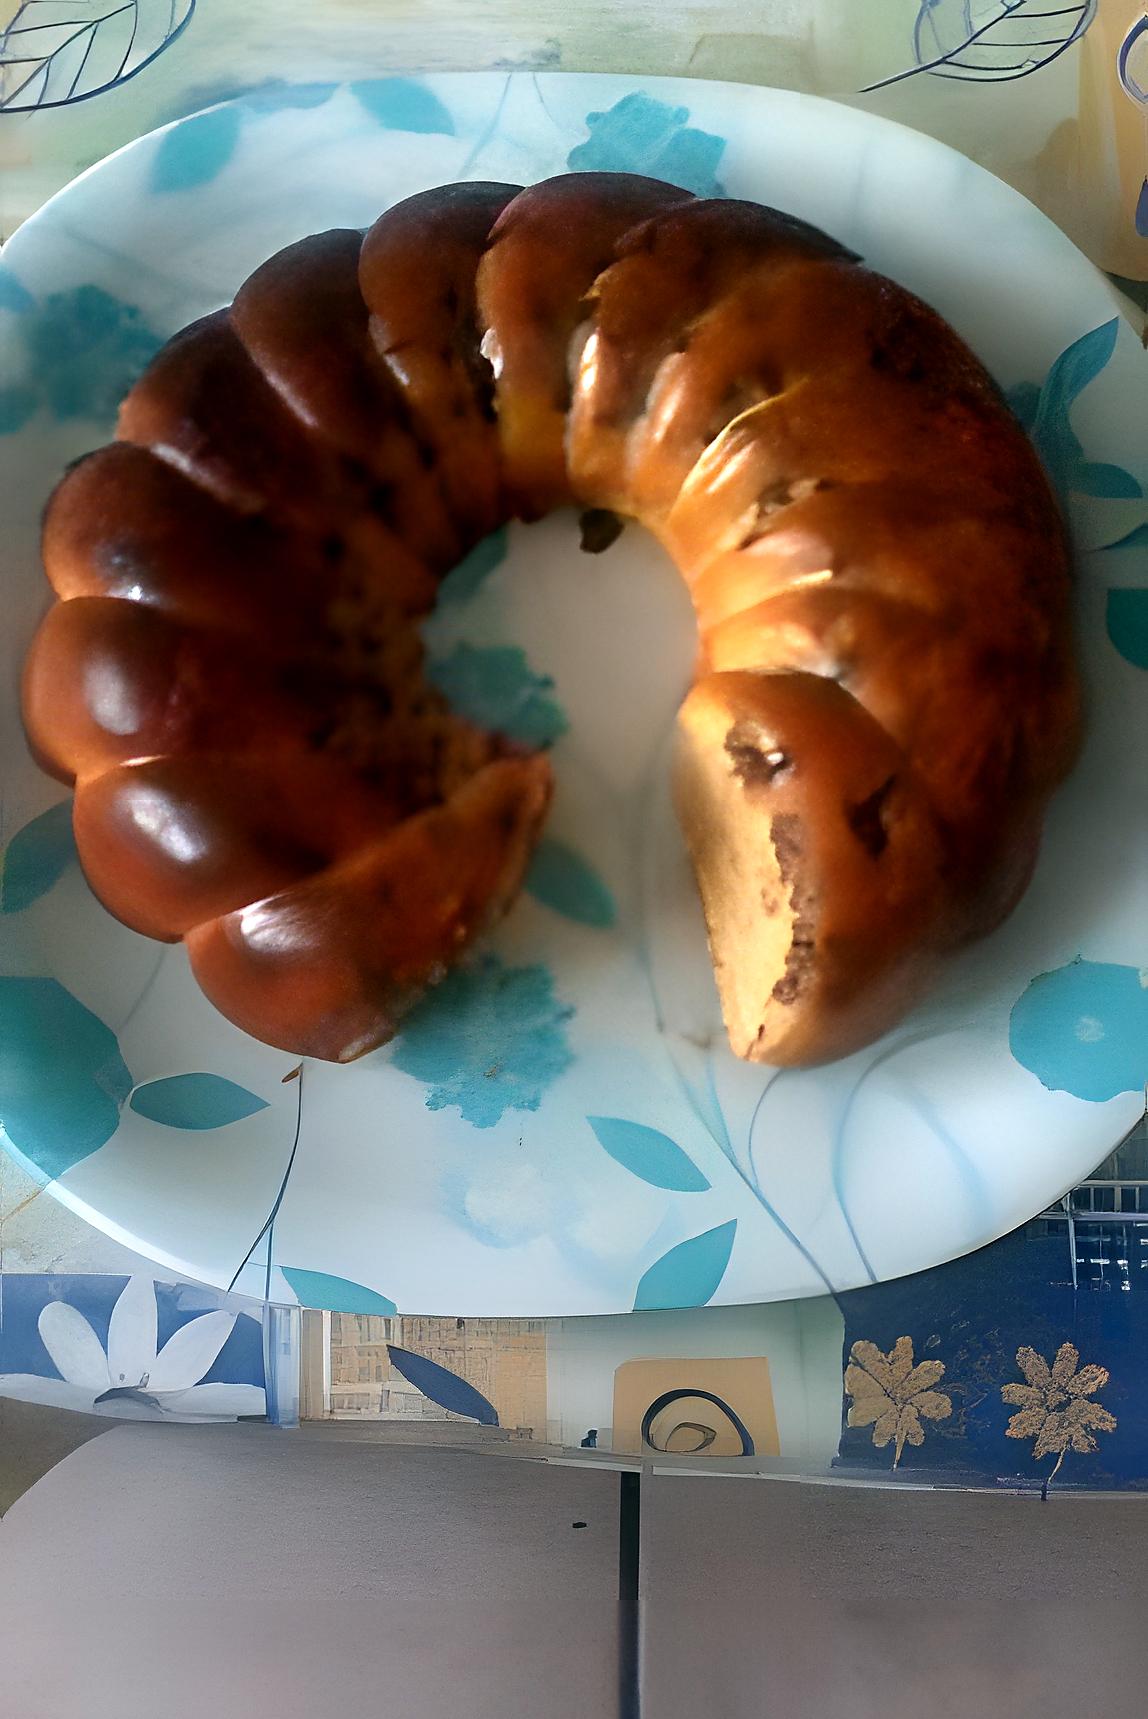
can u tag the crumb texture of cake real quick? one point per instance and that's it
(232, 677)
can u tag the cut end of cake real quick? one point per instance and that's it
(759, 899)
(817, 897)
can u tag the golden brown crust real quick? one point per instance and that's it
(417, 275)
(545, 250)
(302, 318)
(329, 968)
(885, 694)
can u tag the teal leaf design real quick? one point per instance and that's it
(36, 858)
(277, 94)
(62, 1078)
(1083, 1029)
(690, 1273)
(1111, 483)
(195, 150)
(403, 105)
(463, 581)
(495, 687)
(442, 1386)
(561, 879)
(1127, 620)
(1137, 538)
(85, 348)
(17, 405)
(489, 1039)
(1077, 366)
(14, 295)
(1045, 414)
(336, 1294)
(641, 135)
(1024, 398)
(648, 1154)
(197, 1101)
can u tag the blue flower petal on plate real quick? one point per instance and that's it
(196, 150)
(62, 1078)
(276, 94)
(561, 879)
(195, 1101)
(1127, 621)
(403, 105)
(690, 1273)
(1141, 221)
(649, 1154)
(17, 405)
(641, 135)
(36, 858)
(495, 687)
(442, 1386)
(463, 581)
(690, 158)
(14, 295)
(490, 1038)
(85, 349)
(336, 1294)
(1083, 1029)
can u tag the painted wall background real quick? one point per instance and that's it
(800, 1339)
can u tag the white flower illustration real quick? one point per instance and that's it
(133, 1380)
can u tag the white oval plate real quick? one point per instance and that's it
(458, 1171)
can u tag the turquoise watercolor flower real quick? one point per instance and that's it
(489, 1039)
(83, 350)
(495, 687)
(641, 135)
(1084, 1029)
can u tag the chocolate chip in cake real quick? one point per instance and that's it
(867, 819)
(756, 764)
(598, 529)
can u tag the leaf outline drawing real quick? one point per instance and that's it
(86, 49)
(994, 46)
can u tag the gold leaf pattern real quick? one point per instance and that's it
(1054, 1410)
(890, 1394)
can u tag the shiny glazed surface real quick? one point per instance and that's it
(885, 695)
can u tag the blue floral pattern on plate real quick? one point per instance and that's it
(81, 351)
(558, 1127)
(489, 1038)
